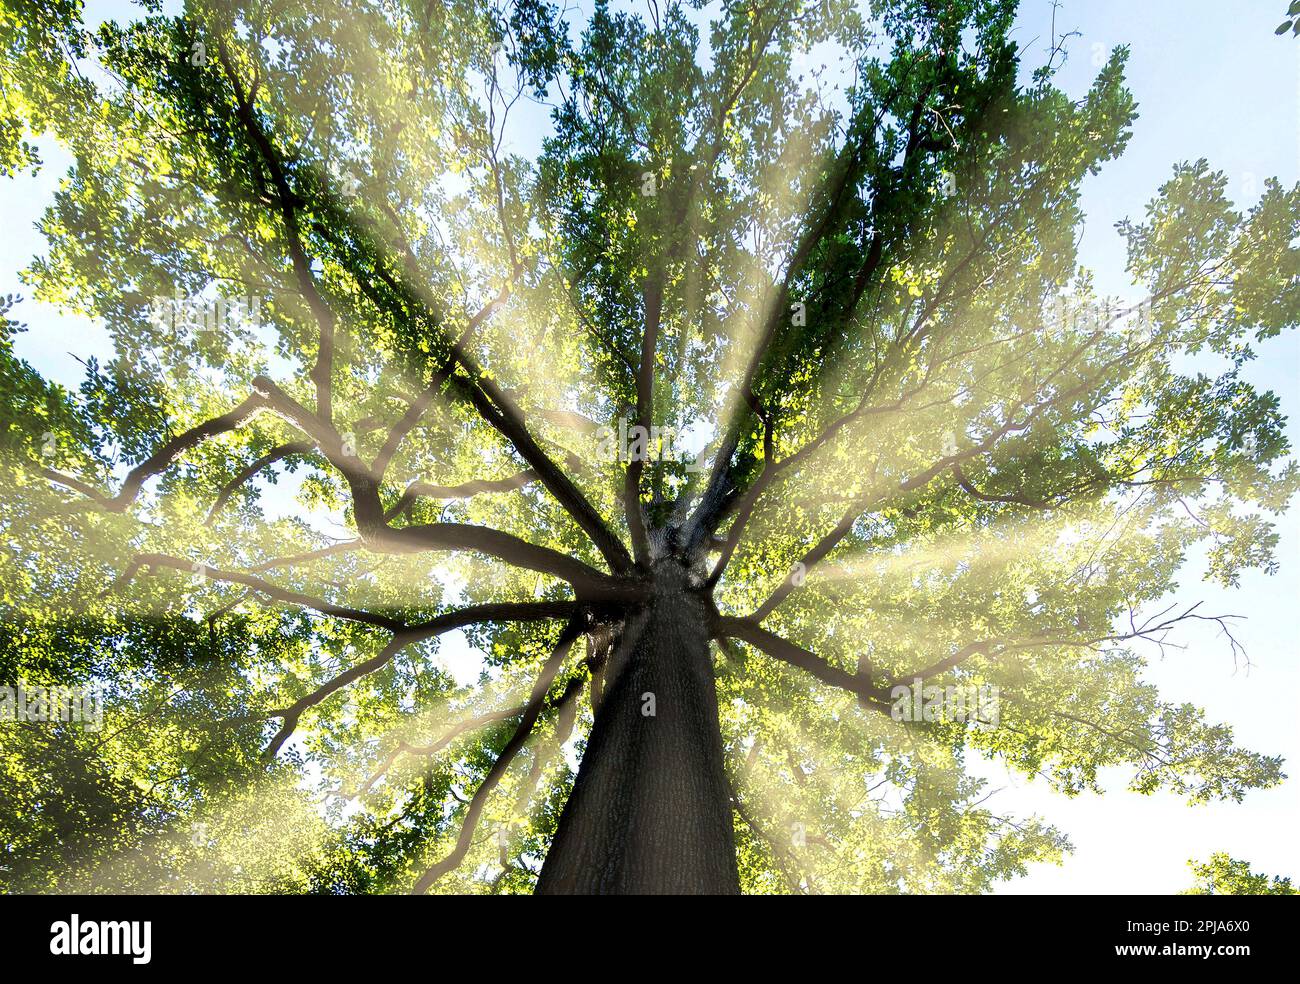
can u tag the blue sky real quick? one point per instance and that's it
(1212, 81)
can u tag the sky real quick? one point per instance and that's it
(1211, 80)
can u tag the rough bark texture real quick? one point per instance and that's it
(650, 810)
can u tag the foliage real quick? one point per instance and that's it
(1222, 875)
(1292, 23)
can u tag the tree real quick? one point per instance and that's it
(761, 430)
(1222, 875)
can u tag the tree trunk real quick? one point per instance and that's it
(650, 811)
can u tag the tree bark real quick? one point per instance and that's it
(650, 811)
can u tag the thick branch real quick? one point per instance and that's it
(373, 527)
(499, 410)
(868, 694)
(159, 461)
(587, 581)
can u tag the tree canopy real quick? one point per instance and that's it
(1224, 875)
(386, 281)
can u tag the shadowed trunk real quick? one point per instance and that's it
(650, 810)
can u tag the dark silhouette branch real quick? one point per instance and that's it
(498, 612)
(845, 173)
(500, 410)
(418, 490)
(377, 535)
(77, 485)
(1154, 629)
(161, 459)
(868, 694)
(286, 203)
(523, 730)
(587, 581)
(652, 296)
(247, 472)
(403, 748)
(1014, 424)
